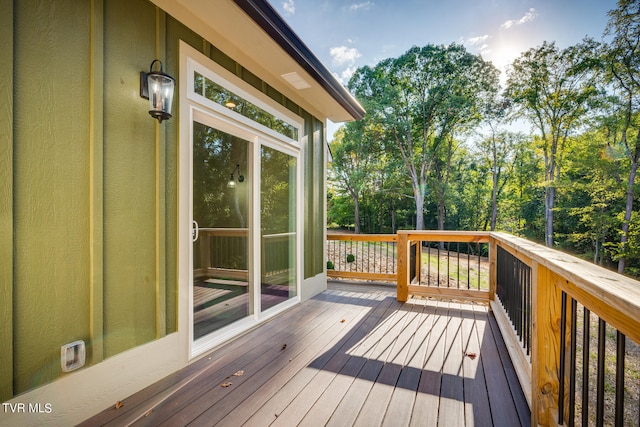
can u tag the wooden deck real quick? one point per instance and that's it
(352, 355)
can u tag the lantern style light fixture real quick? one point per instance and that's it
(157, 87)
(232, 181)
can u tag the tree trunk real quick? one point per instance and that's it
(629, 208)
(441, 213)
(494, 201)
(419, 196)
(393, 219)
(549, 205)
(356, 215)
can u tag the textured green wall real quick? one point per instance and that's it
(88, 182)
(129, 179)
(51, 185)
(6, 199)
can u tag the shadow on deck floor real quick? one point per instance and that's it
(352, 355)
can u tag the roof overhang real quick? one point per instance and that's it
(255, 35)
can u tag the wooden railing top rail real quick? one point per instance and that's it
(363, 237)
(447, 236)
(614, 297)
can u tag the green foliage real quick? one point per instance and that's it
(417, 103)
(553, 89)
(351, 258)
(330, 265)
(414, 162)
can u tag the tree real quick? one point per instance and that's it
(421, 99)
(623, 65)
(355, 153)
(553, 88)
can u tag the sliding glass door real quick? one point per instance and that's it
(234, 244)
(277, 227)
(221, 233)
(240, 197)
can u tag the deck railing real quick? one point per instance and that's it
(362, 256)
(223, 252)
(556, 313)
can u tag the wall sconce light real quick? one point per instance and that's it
(232, 181)
(157, 87)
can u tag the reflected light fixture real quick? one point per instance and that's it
(157, 87)
(232, 181)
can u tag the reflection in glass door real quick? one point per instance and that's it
(278, 227)
(221, 238)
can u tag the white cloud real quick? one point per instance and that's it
(474, 41)
(358, 6)
(289, 7)
(344, 55)
(345, 75)
(529, 16)
(485, 50)
(478, 43)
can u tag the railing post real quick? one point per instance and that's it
(545, 354)
(403, 267)
(418, 261)
(493, 268)
(205, 251)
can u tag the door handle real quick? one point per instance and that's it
(195, 231)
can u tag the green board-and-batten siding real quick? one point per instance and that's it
(88, 182)
(6, 199)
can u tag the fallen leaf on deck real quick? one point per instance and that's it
(283, 346)
(471, 355)
(342, 321)
(225, 384)
(119, 405)
(238, 374)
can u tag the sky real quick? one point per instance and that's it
(347, 34)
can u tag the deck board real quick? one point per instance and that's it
(353, 356)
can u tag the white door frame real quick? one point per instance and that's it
(196, 108)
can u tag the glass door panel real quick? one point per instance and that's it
(278, 227)
(221, 235)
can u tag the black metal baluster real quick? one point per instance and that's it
(438, 259)
(448, 264)
(429, 264)
(479, 255)
(528, 334)
(368, 246)
(586, 335)
(600, 375)
(620, 347)
(563, 340)
(572, 372)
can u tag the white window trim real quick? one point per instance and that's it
(197, 62)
